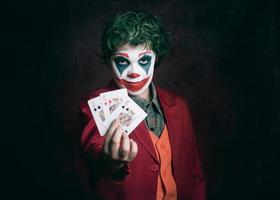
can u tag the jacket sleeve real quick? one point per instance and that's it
(92, 148)
(198, 176)
(199, 182)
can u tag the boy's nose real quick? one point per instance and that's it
(133, 75)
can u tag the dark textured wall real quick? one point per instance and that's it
(224, 61)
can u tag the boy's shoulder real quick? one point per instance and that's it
(168, 97)
(95, 93)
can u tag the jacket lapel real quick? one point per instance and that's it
(142, 135)
(172, 114)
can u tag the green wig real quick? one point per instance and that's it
(135, 28)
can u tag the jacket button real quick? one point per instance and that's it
(154, 167)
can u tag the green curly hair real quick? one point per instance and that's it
(135, 28)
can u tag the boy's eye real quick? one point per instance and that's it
(121, 61)
(144, 60)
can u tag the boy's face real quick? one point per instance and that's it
(133, 67)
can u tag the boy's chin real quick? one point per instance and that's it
(138, 92)
(134, 93)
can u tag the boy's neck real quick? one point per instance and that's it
(146, 94)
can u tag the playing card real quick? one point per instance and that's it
(111, 100)
(129, 114)
(98, 114)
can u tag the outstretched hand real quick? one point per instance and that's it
(118, 147)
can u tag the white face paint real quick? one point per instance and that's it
(133, 68)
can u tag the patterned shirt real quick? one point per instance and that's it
(155, 119)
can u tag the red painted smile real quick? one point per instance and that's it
(133, 86)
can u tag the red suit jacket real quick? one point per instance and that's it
(138, 179)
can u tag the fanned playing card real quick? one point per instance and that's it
(98, 114)
(111, 100)
(129, 114)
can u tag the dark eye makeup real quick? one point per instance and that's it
(121, 61)
(145, 60)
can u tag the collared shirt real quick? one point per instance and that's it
(155, 119)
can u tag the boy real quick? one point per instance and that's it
(158, 160)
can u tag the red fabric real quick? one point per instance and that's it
(138, 179)
(166, 188)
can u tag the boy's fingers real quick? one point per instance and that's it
(109, 134)
(125, 147)
(133, 150)
(114, 143)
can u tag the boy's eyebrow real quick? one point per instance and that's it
(121, 54)
(144, 53)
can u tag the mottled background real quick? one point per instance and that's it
(224, 61)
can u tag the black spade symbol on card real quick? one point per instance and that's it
(127, 109)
